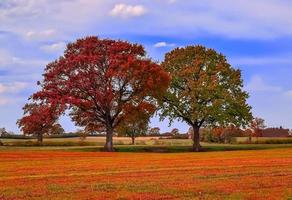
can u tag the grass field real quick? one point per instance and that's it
(27, 173)
(89, 141)
(99, 141)
(122, 144)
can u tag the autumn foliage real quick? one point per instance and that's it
(39, 119)
(100, 81)
(225, 134)
(257, 126)
(205, 90)
(136, 123)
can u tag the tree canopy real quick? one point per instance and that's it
(257, 126)
(100, 81)
(136, 124)
(39, 119)
(205, 90)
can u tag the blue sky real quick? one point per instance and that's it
(255, 36)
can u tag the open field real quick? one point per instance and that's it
(95, 141)
(99, 141)
(207, 147)
(31, 174)
(122, 144)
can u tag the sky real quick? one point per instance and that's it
(255, 36)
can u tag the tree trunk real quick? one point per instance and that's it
(196, 139)
(133, 139)
(249, 138)
(40, 138)
(109, 140)
(225, 137)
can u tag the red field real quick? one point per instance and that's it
(265, 174)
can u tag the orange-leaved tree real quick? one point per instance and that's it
(136, 124)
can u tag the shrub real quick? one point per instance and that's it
(269, 141)
(221, 134)
(180, 136)
(276, 141)
(65, 135)
(17, 137)
(208, 136)
(140, 142)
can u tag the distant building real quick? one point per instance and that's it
(276, 132)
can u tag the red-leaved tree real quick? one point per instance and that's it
(101, 80)
(257, 126)
(39, 119)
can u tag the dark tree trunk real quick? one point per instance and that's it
(40, 138)
(225, 138)
(196, 139)
(133, 139)
(109, 140)
(249, 138)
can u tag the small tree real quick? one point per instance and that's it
(207, 135)
(136, 124)
(225, 134)
(39, 119)
(257, 126)
(56, 129)
(133, 129)
(248, 132)
(174, 131)
(154, 131)
(205, 90)
(3, 132)
(82, 134)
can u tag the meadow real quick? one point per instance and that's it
(52, 173)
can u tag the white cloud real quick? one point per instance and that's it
(4, 101)
(172, 1)
(54, 48)
(238, 19)
(257, 84)
(227, 18)
(163, 44)
(6, 59)
(40, 19)
(288, 93)
(41, 35)
(12, 87)
(168, 1)
(126, 11)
